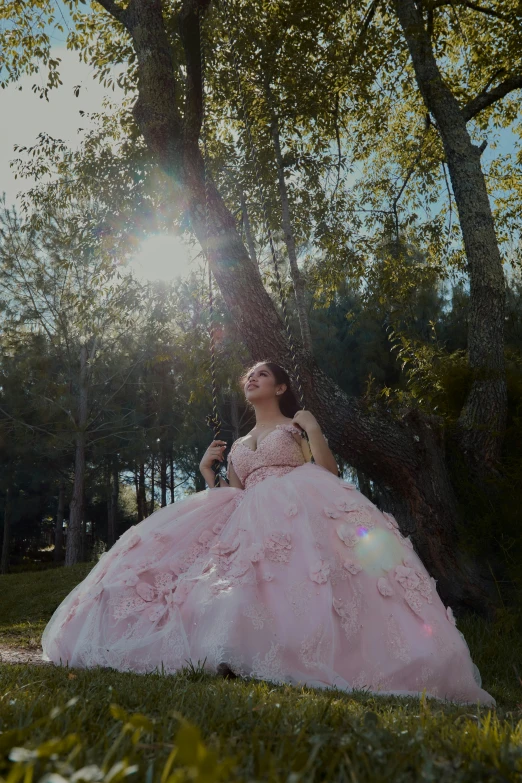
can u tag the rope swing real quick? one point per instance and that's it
(213, 420)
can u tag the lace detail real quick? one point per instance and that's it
(416, 584)
(299, 595)
(319, 526)
(396, 642)
(264, 472)
(174, 649)
(319, 572)
(315, 649)
(259, 614)
(125, 604)
(337, 569)
(349, 612)
(275, 456)
(351, 566)
(278, 546)
(384, 587)
(347, 534)
(185, 559)
(215, 645)
(426, 676)
(361, 681)
(380, 682)
(271, 666)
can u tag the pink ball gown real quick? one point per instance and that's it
(298, 578)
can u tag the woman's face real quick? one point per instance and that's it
(261, 384)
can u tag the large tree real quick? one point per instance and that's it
(403, 452)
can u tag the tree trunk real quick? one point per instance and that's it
(58, 530)
(6, 542)
(172, 487)
(114, 487)
(73, 552)
(483, 417)
(295, 272)
(84, 549)
(142, 501)
(364, 484)
(138, 497)
(152, 486)
(163, 477)
(404, 453)
(248, 230)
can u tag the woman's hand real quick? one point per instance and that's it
(306, 421)
(213, 453)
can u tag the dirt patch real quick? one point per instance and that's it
(25, 655)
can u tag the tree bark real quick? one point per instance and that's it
(172, 486)
(163, 477)
(142, 500)
(6, 540)
(58, 530)
(73, 552)
(249, 235)
(364, 484)
(137, 489)
(114, 487)
(152, 486)
(483, 417)
(404, 453)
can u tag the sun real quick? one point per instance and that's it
(163, 257)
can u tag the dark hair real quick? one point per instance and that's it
(288, 403)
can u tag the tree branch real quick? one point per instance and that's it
(114, 10)
(473, 6)
(489, 97)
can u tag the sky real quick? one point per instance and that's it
(23, 115)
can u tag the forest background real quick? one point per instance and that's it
(387, 168)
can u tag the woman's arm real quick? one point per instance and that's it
(213, 453)
(321, 450)
(234, 479)
(318, 445)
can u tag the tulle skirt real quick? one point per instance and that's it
(300, 579)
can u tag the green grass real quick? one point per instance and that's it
(27, 601)
(144, 726)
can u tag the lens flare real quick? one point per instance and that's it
(377, 550)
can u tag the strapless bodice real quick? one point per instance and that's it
(277, 454)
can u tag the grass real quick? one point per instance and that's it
(27, 601)
(56, 722)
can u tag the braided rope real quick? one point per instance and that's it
(264, 205)
(213, 419)
(263, 200)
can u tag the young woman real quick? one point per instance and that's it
(289, 574)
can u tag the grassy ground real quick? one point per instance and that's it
(201, 728)
(27, 601)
